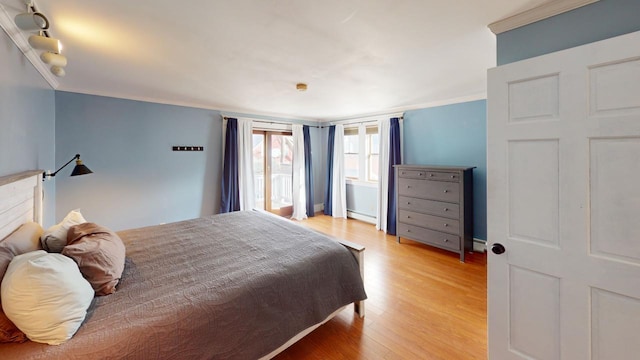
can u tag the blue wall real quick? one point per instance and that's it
(27, 121)
(452, 135)
(138, 180)
(594, 22)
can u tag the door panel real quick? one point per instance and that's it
(563, 157)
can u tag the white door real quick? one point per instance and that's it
(564, 202)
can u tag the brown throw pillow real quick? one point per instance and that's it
(25, 239)
(8, 331)
(99, 253)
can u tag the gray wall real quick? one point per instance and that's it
(27, 120)
(594, 22)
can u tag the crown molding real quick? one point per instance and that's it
(18, 38)
(541, 12)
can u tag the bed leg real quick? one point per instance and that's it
(358, 307)
(358, 252)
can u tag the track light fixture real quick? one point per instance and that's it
(33, 20)
(45, 43)
(58, 71)
(53, 59)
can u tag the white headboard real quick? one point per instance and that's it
(20, 200)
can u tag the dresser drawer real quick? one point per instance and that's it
(412, 174)
(429, 221)
(431, 237)
(443, 176)
(432, 207)
(425, 189)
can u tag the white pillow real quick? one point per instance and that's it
(55, 238)
(45, 296)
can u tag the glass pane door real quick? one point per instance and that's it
(281, 148)
(272, 171)
(259, 169)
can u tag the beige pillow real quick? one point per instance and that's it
(25, 239)
(99, 253)
(45, 296)
(55, 238)
(8, 331)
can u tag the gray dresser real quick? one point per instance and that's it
(435, 206)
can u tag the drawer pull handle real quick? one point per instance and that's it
(446, 191)
(408, 203)
(403, 173)
(453, 176)
(408, 230)
(430, 175)
(446, 225)
(446, 240)
(408, 217)
(446, 209)
(419, 174)
(408, 186)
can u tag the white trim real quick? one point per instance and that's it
(361, 217)
(541, 12)
(318, 207)
(238, 113)
(399, 111)
(358, 182)
(18, 38)
(479, 245)
(366, 119)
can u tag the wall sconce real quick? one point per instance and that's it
(33, 20)
(79, 169)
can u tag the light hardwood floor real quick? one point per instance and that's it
(423, 303)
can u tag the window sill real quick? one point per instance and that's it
(356, 182)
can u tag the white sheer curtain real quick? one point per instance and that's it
(245, 167)
(298, 182)
(339, 198)
(383, 176)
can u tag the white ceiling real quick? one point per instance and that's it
(358, 57)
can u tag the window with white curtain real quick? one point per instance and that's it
(361, 154)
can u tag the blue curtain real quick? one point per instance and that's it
(328, 193)
(230, 199)
(394, 159)
(308, 171)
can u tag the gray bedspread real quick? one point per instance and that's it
(230, 286)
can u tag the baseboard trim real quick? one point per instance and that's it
(479, 245)
(361, 217)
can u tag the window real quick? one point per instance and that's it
(373, 156)
(351, 154)
(361, 154)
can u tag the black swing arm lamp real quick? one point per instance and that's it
(79, 169)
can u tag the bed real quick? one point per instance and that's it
(241, 285)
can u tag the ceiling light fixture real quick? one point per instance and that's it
(53, 59)
(301, 87)
(45, 43)
(33, 20)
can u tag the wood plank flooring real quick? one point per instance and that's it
(423, 302)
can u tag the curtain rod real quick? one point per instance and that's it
(344, 122)
(273, 122)
(358, 122)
